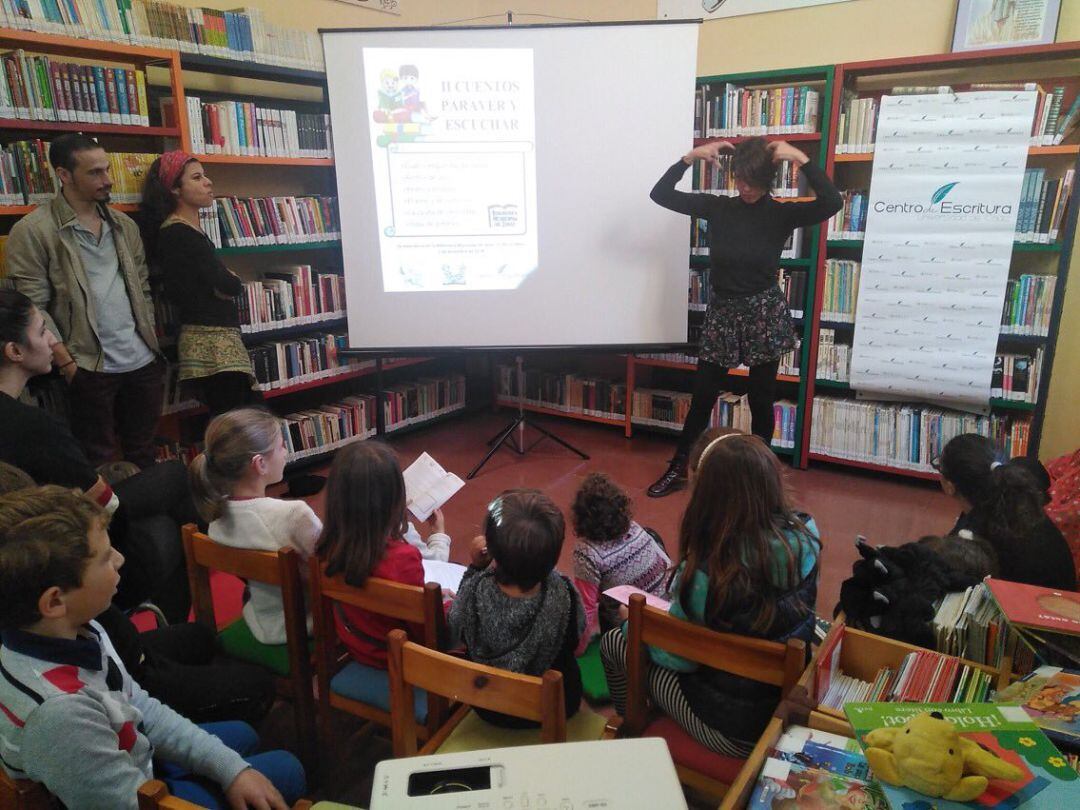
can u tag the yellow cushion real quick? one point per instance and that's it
(475, 734)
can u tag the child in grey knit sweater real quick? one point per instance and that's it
(513, 609)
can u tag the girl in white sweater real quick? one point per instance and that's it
(245, 453)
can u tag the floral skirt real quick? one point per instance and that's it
(750, 330)
(207, 350)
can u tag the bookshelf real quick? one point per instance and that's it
(1049, 65)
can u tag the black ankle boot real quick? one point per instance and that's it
(672, 480)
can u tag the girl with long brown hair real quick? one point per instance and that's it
(748, 564)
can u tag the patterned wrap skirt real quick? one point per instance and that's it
(750, 330)
(207, 350)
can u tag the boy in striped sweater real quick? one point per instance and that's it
(71, 717)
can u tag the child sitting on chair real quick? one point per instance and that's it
(75, 720)
(513, 609)
(612, 549)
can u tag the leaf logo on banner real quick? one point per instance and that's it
(941, 193)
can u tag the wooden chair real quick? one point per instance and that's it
(291, 665)
(349, 686)
(154, 795)
(22, 794)
(768, 662)
(539, 699)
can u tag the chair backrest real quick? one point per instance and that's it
(281, 568)
(539, 699)
(760, 660)
(22, 794)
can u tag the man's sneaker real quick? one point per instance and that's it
(672, 480)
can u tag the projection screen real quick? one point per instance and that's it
(494, 183)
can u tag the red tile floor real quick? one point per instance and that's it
(844, 502)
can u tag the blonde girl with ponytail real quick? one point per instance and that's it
(245, 454)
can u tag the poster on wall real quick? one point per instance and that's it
(716, 9)
(385, 6)
(944, 196)
(1004, 23)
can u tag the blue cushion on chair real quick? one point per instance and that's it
(369, 685)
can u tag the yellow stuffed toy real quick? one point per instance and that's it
(927, 754)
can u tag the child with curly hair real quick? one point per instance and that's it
(612, 549)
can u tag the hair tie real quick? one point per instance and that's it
(711, 445)
(994, 465)
(172, 166)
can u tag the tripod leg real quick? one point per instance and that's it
(553, 437)
(495, 443)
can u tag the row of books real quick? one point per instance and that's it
(1053, 122)
(26, 178)
(840, 291)
(850, 221)
(250, 221)
(1028, 303)
(243, 34)
(572, 393)
(661, 408)
(328, 427)
(968, 624)
(719, 178)
(245, 128)
(789, 361)
(422, 400)
(699, 240)
(857, 126)
(43, 88)
(907, 435)
(312, 357)
(923, 676)
(833, 359)
(1042, 206)
(725, 110)
(792, 284)
(292, 295)
(1016, 376)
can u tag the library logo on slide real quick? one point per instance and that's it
(940, 205)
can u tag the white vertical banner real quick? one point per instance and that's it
(948, 171)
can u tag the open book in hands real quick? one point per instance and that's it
(428, 486)
(622, 594)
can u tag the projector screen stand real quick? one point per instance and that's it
(521, 421)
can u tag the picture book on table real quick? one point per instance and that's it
(808, 768)
(1037, 608)
(942, 756)
(1051, 695)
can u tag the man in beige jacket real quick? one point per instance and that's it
(82, 264)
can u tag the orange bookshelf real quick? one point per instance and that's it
(252, 160)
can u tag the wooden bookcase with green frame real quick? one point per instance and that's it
(672, 371)
(1015, 422)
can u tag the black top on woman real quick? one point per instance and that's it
(748, 321)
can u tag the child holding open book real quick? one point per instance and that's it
(366, 536)
(612, 549)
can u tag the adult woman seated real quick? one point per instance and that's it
(147, 509)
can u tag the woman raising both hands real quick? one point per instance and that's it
(747, 321)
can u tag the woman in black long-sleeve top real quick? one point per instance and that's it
(748, 321)
(211, 352)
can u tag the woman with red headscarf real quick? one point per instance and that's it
(211, 353)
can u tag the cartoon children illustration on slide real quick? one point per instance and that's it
(404, 117)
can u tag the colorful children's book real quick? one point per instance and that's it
(1004, 731)
(786, 785)
(1030, 606)
(1051, 695)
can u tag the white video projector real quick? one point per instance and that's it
(601, 775)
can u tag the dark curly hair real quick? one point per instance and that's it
(601, 510)
(753, 163)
